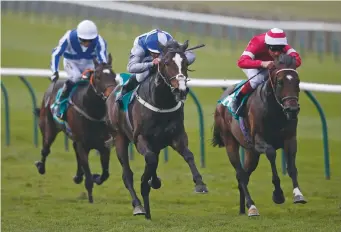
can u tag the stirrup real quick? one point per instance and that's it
(60, 116)
(119, 98)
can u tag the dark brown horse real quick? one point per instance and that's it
(155, 120)
(269, 122)
(85, 123)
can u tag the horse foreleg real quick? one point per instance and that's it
(290, 149)
(84, 159)
(149, 178)
(121, 145)
(277, 195)
(105, 158)
(49, 133)
(181, 146)
(78, 178)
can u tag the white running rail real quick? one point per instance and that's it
(194, 82)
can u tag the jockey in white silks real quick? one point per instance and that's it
(144, 55)
(79, 47)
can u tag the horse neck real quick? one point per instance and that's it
(159, 95)
(273, 110)
(93, 104)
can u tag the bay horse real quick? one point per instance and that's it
(84, 123)
(269, 122)
(153, 121)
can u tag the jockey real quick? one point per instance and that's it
(258, 57)
(144, 55)
(79, 47)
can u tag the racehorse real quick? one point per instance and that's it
(153, 121)
(84, 124)
(269, 122)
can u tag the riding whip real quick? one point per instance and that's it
(245, 82)
(196, 47)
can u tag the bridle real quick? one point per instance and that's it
(274, 87)
(178, 77)
(104, 94)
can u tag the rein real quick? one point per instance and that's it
(178, 77)
(104, 95)
(274, 87)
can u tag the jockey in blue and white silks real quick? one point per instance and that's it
(144, 55)
(79, 47)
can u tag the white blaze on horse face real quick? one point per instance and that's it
(106, 71)
(289, 77)
(180, 77)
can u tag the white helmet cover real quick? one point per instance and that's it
(87, 30)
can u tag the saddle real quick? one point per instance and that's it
(228, 99)
(60, 107)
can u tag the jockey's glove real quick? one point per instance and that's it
(55, 76)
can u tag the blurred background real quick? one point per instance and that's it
(31, 29)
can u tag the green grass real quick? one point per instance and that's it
(52, 202)
(285, 10)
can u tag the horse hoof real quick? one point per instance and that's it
(97, 179)
(139, 210)
(299, 199)
(78, 179)
(201, 188)
(253, 211)
(155, 183)
(278, 197)
(109, 143)
(40, 166)
(148, 217)
(91, 200)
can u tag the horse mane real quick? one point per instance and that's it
(286, 61)
(173, 46)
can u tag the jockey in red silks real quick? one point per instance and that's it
(258, 57)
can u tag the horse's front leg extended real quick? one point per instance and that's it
(180, 144)
(290, 149)
(149, 177)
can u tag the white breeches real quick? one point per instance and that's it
(75, 68)
(141, 76)
(255, 81)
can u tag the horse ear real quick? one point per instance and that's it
(95, 61)
(110, 59)
(161, 46)
(185, 45)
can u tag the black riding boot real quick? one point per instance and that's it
(65, 93)
(236, 102)
(66, 89)
(129, 86)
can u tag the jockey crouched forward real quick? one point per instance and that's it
(258, 57)
(144, 55)
(79, 47)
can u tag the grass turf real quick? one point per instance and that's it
(52, 202)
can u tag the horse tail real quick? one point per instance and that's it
(216, 140)
(36, 112)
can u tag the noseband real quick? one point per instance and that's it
(100, 94)
(281, 101)
(178, 77)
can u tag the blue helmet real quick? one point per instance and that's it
(154, 37)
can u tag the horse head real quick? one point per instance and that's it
(103, 79)
(173, 68)
(284, 81)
